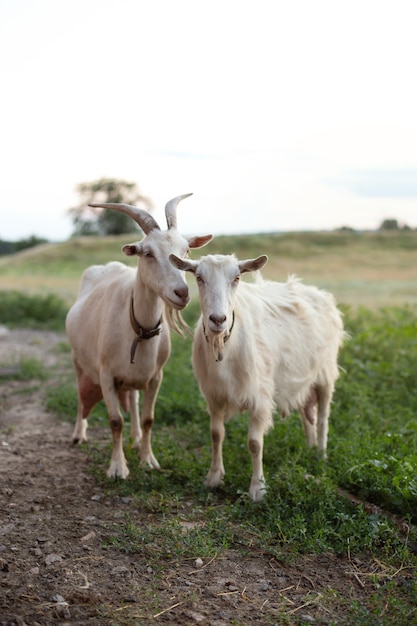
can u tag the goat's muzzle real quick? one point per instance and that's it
(181, 300)
(216, 336)
(217, 323)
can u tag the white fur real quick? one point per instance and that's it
(101, 335)
(279, 352)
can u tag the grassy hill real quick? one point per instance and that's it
(372, 269)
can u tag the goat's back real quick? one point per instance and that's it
(95, 274)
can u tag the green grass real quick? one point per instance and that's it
(25, 369)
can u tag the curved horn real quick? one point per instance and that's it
(171, 210)
(140, 216)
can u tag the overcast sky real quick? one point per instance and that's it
(277, 115)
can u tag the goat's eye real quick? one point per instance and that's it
(199, 280)
(149, 255)
(236, 281)
(187, 253)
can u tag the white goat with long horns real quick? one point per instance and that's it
(259, 346)
(118, 329)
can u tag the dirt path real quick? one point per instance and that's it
(55, 523)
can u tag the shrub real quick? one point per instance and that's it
(18, 309)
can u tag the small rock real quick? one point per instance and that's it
(57, 598)
(53, 558)
(34, 571)
(4, 566)
(96, 498)
(119, 570)
(88, 536)
(198, 562)
(4, 331)
(6, 529)
(62, 608)
(196, 617)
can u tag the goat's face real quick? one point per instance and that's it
(217, 278)
(156, 271)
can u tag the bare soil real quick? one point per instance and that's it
(56, 566)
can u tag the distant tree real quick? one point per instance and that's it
(10, 247)
(389, 224)
(346, 229)
(96, 221)
(6, 247)
(29, 242)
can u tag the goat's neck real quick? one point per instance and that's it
(147, 305)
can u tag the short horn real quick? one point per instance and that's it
(171, 210)
(140, 216)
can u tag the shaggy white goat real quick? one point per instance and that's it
(118, 329)
(260, 346)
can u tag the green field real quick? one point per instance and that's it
(369, 269)
(309, 506)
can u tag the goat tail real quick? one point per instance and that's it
(177, 323)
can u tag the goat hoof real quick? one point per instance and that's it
(118, 472)
(257, 492)
(77, 440)
(214, 480)
(151, 463)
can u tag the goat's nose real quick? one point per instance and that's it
(217, 319)
(182, 292)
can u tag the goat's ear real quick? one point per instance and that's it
(251, 265)
(199, 242)
(130, 249)
(183, 264)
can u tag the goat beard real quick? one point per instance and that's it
(177, 322)
(217, 344)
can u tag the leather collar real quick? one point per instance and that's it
(142, 334)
